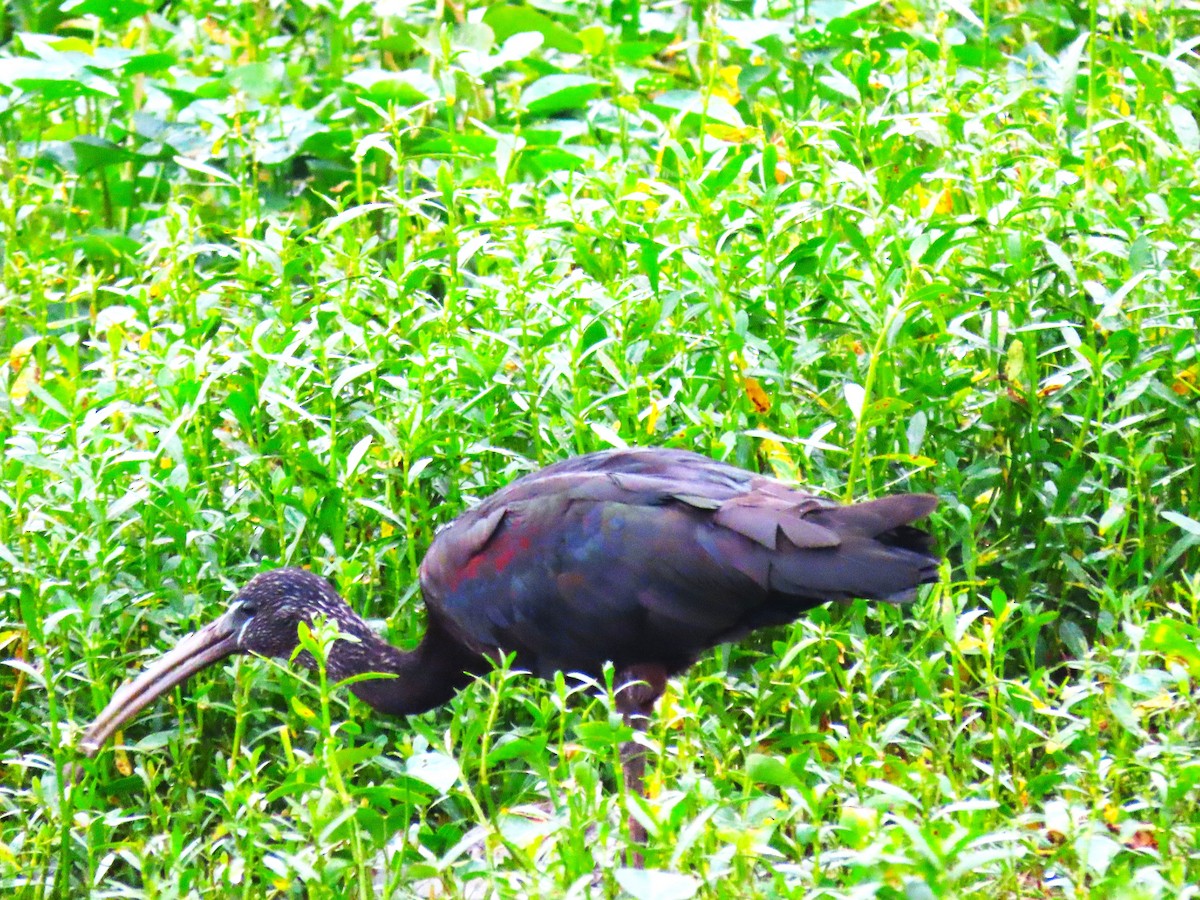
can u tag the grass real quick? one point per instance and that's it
(297, 283)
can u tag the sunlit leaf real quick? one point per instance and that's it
(55, 78)
(1178, 639)
(1187, 523)
(1185, 127)
(608, 435)
(695, 108)
(770, 770)
(409, 87)
(111, 11)
(434, 769)
(855, 397)
(507, 20)
(556, 93)
(657, 884)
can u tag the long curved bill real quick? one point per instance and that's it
(197, 651)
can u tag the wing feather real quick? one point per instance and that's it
(657, 555)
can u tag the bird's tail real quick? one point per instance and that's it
(880, 554)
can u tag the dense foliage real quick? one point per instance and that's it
(298, 282)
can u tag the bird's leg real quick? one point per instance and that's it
(639, 688)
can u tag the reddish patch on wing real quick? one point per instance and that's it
(499, 553)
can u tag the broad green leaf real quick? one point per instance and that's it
(1179, 639)
(1114, 515)
(435, 769)
(103, 245)
(556, 93)
(258, 80)
(1060, 259)
(657, 884)
(92, 153)
(1097, 851)
(544, 160)
(1074, 638)
(127, 62)
(409, 87)
(1184, 124)
(1014, 364)
(506, 21)
(53, 79)
(114, 12)
(770, 770)
(697, 109)
(287, 135)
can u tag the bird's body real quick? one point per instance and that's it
(643, 558)
(654, 556)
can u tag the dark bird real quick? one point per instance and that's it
(643, 558)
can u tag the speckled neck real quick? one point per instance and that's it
(414, 680)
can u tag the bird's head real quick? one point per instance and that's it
(263, 620)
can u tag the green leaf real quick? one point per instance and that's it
(54, 79)
(258, 80)
(915, 432)
(1014, 364)
(542, 161)
(1073, 637)
(764, 769)
(1060, 259)
(1188, 524)
(146, 63)
(357, 452)
(1097, 851)
(657, 884)
(556, 93)
(113, 12)
(409, 87)
(1176, 638)
(1184, 124)
(126, 62)
(696, 110)
(334, 223)
(287, 135)
(437, 770)
(649, 257)
(506, 21)
(92, 153)
(608, 436)
(102, 246)
(1124, 713)
(855, 395)
(1114, 515)
(518, 748)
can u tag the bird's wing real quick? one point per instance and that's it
(655, 552)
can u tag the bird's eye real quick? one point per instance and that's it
(248, 608)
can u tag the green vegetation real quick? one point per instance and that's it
(295, 283)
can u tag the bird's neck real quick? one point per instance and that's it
(413, 680)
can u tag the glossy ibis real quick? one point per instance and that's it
(644, 558)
